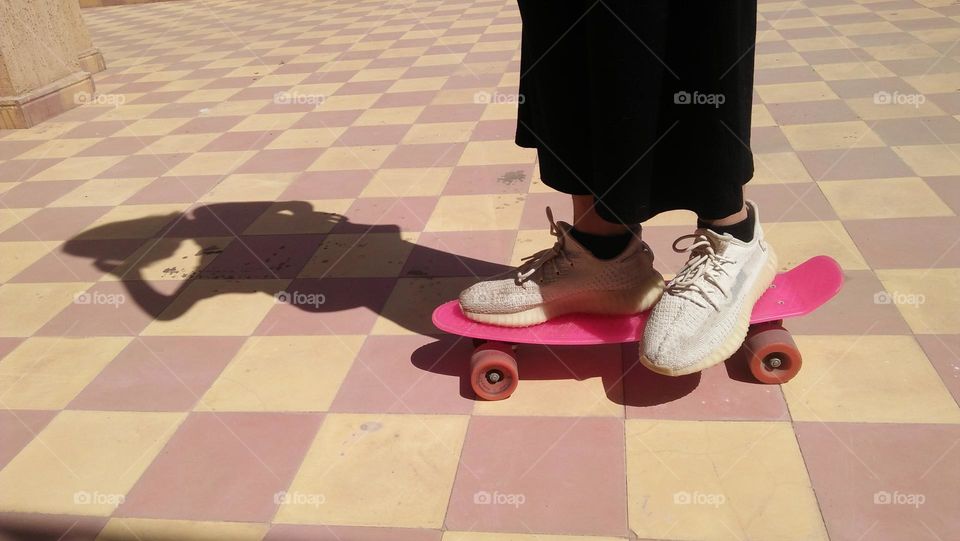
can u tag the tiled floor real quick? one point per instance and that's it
(347, 157)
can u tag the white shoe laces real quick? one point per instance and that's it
(532, 263)
(704, 267)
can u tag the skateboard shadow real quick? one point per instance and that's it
(169, 263)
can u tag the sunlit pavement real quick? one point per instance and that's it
(217, 278)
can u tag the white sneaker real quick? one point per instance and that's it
(566, 279)
(704, 314)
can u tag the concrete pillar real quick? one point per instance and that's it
(46, 58)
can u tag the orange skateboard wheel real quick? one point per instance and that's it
(772, 355)
(493, 371)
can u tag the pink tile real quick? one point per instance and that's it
(159, 373)
(534, 210)
(37, 194)
(118, 146)
(425, 155)
(919, 242)
(19, 427)
(263, 257)
(453, 113)
(292, 532)
(328, 184)
(174, 190)
(948, 188)
(944, 353)
(405, 99)
(327, 119)
(96, 128)
(109, 309)
(241, 140)
(8, 344)
(494, 130)
(365, 87)
(350, 306)
(183, 110)
(537, 460)
(79, 261)
(223, 466)
(389, 134)
(884, 481)
(489, 179)
(208, 124)
(721, 393)
(790, 202)
(53, 223)
(811, 112)
(143, 165)
(17, 170)
(12, 149)
(41, 527)
(408, 374)
(769, 139)
(472, 253)
(861, 163)
(280, 161)
(407, 213)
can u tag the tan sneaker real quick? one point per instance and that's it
(566, 279)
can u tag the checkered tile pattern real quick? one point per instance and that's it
(217, 279)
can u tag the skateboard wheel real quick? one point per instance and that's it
(772, 354)
(493, 371)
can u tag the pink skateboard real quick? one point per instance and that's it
(771, 352)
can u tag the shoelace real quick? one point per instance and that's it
(704, 263)
(532, 263)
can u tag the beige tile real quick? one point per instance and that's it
(69, 469)
(309, 377)
(718, 480)
(867, 379)
(210, 163)
(793, 92)
(48, 372)
(105, 192)
(476, 212)
(249, 187)
(10, 217)
(27, 307)
(306, 138)
(483, 536)
(883, 198)
(931, 160)
(217, 308)
(146, 529)
(401, 467)
(852, 70)
(389, 115)
(408, 308)
(59, 148)
(831, 136)
(926, 298)
(496, 152)
(407, 182)
(795, 242)
(367, 158)
(360, 255)
(16, 256)
(133, 221)
(179, 144)
(78, 168)
(267, 122)
(441, 132)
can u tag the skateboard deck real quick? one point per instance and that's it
(796, 292)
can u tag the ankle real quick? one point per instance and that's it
(741, 230)
(603, 246)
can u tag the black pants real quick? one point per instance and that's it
(645, 104)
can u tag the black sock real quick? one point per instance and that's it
(742, 230)
(602, 246)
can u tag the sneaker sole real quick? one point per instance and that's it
(739, 333)
(610, 302)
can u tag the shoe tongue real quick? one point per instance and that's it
(719, 241)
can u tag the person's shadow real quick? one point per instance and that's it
(322, 262)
